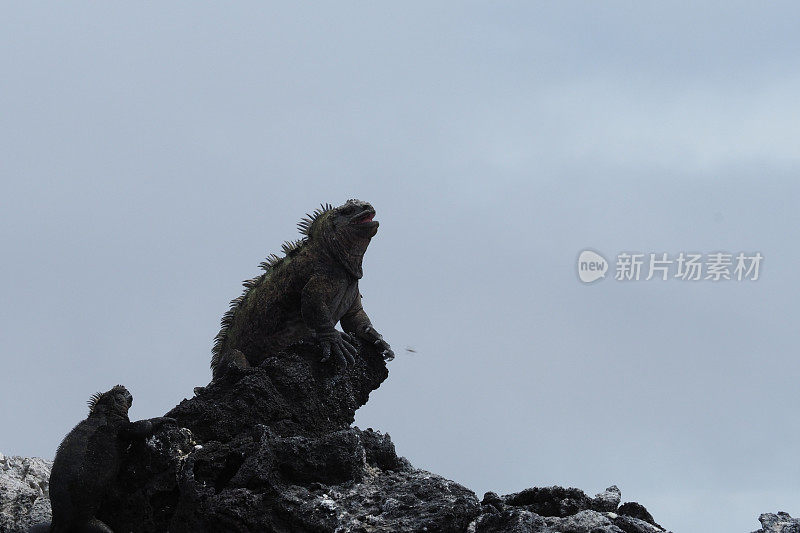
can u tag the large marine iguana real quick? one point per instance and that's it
(88, 460)
(304, 294)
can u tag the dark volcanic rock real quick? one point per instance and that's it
(272, 449)
(254, 445)
(556, 509)
(293, 393)
(558, 501)
(636, 510)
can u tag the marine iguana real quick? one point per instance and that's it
(88, 460)
(304, 294)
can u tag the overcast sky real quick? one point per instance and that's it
(152, 155)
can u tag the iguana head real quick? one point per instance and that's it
(355, 218)
(118, 400)
(345, 231)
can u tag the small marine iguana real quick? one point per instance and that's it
(88, 460)
(305, 293)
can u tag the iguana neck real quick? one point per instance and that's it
(348, 250)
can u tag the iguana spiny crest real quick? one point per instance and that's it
(305, 293)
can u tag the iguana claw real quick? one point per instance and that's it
(376, 339)
(386, 350)
(338, 344)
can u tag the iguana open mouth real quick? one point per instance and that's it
(364, 217)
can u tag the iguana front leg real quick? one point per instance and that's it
(357, 322)
(145, 428)
(316, 294)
